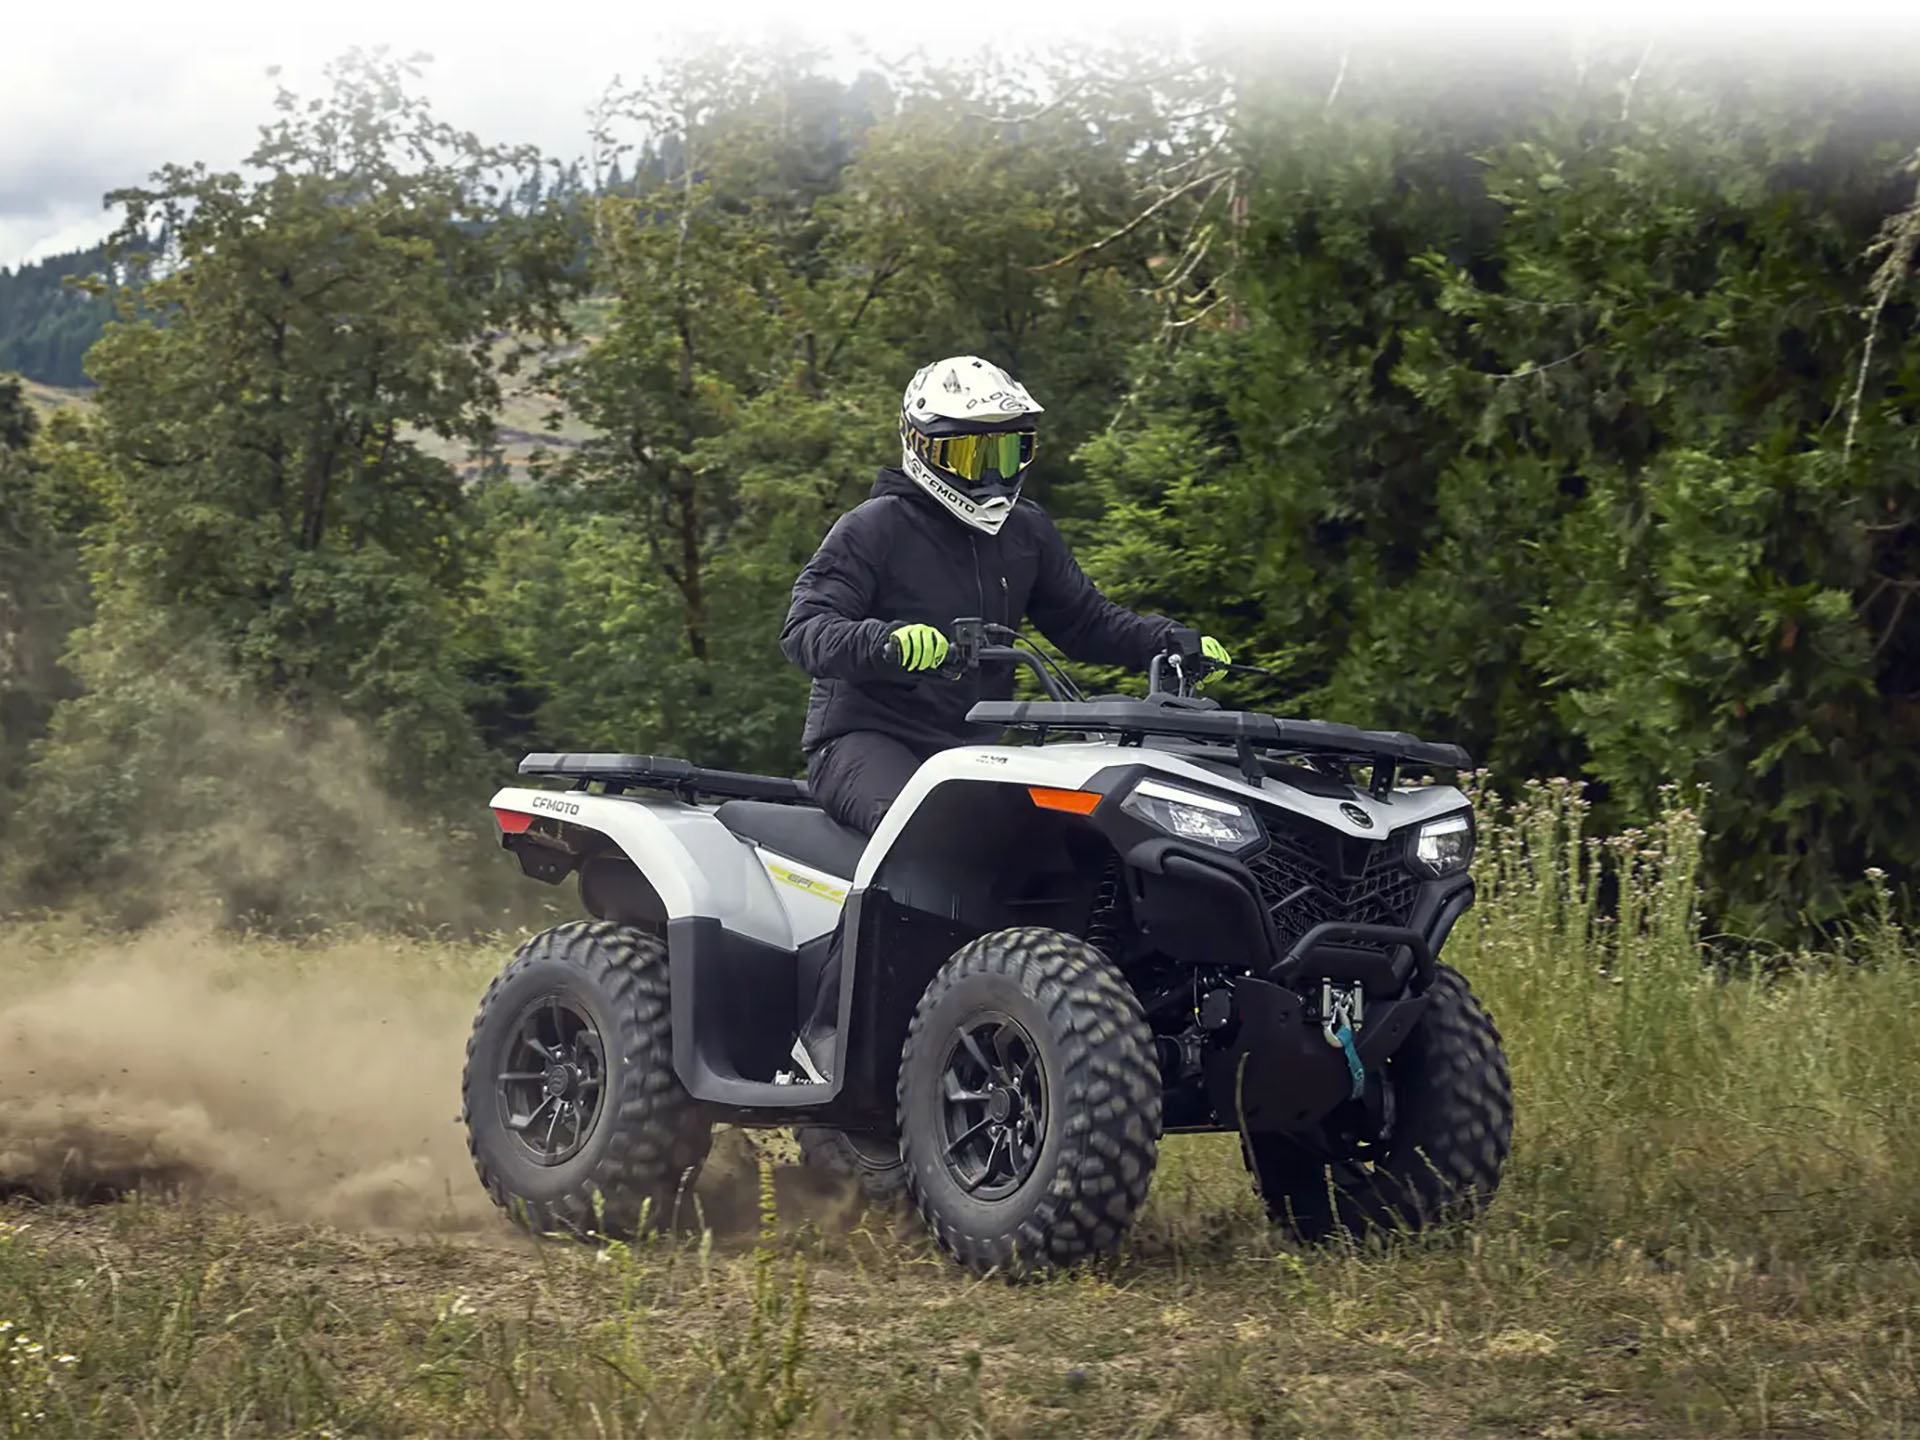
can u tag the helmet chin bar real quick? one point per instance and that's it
(986, 516)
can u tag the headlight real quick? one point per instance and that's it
(1445, 846)
(1194, 815)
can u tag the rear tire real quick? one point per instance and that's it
(575, 1119)
(1452, 1130)
(1029, 1104)
(874, 1161)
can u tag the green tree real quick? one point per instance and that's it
(47, 323)
(46, 506)
(275, 534)
(1535, 414)
(793, 251)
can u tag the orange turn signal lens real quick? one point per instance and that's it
(1074, 802)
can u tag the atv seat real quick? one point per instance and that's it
(798, 832)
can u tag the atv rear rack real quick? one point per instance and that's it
(663, 772)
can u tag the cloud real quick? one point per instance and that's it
(98, 97)
(88, 116)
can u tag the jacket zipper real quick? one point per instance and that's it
(979, 584)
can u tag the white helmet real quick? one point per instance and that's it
(967, 436)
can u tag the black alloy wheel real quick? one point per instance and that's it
(553, 1088)
(994, 1116)
(575, 1119)
(1028, 1104)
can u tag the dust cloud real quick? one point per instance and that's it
(314, 1082)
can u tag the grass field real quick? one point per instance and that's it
(45, 399)
(1708, 1225)
(525, 418)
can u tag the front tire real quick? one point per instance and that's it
(1029, 1104)
(575, 1119)
(1452, 1130)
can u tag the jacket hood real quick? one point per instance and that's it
(894, 481)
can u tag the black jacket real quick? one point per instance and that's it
(899, 558)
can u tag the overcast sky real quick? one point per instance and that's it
(99, 94)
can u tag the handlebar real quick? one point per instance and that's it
(972, 645)
(970, 648)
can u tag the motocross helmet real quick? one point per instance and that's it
(967, 437)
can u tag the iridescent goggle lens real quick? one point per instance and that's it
(999, 455)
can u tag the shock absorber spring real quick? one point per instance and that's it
(1104, 922)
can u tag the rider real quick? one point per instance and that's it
(947, 534)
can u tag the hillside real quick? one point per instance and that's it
(46, 325)
(526, 417)
(530, 417)
(45, 399)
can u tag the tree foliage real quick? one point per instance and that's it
(789, 251)
(47, 324)
(1561, 402)
(273, 529)
(1540, 415)
(46, 506)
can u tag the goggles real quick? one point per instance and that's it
(978, 459)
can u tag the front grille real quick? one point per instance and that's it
(1301, 884)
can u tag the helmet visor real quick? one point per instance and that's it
(989, 461)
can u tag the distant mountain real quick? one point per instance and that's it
(47, 326)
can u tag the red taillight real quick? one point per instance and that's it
(512, 822)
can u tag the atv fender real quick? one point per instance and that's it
(699, 869)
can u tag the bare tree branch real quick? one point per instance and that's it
(1174, 326)
(1633, 80)
(1339, 79)
(1898, 241)
(1158, 180)
(1072, 92)
(1134, 224)
(1532, 370)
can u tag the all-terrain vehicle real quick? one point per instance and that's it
(1164, 916)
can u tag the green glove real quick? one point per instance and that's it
(1216, 652)
(919, 647)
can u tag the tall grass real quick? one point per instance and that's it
(1705, 1228)
(1667, 1101)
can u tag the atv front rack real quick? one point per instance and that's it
(663, 772)
(1244, 730)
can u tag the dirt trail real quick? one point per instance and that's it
(318, 1085)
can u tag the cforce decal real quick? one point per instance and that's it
(825, 889)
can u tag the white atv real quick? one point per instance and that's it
(1181, 918)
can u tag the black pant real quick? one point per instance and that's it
(854, 778)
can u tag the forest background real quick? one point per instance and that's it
(1558, 400)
